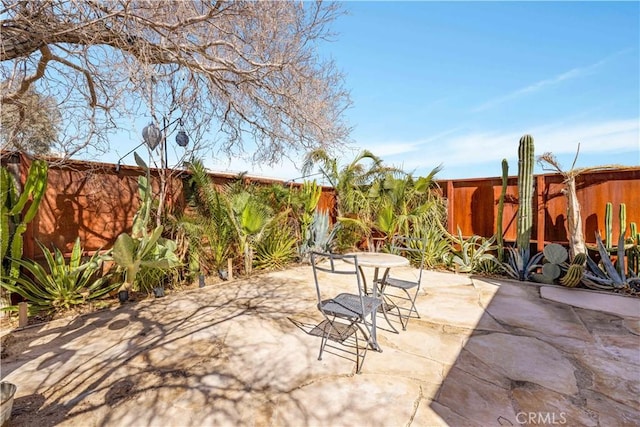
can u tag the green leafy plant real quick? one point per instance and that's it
(309, 196)
(64, 285)
(469, 255)
(150, 251)
(437, 249)
(276, 249)
(249, 218)
(13, 221)
(322, 235)
(209, 229)
(143, 251)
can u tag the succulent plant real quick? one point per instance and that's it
(555, 255)
(520, 265)
(13, 221)
(525, 191)
(610, 276)
(575, 271)
(503, 193)
(608, 224)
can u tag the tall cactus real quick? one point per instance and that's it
(13, 221)
(500, 241)
(608, 225)
(622, 216)
(525, 192)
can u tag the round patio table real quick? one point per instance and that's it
(378, 260)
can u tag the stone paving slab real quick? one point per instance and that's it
(484, 352)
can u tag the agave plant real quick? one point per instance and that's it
(471, 255)
(610, 276)
(520, 265)
(65, 285)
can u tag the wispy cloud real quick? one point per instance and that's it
(479, 153)
(391, 148)
(537, 86)
(470, 152)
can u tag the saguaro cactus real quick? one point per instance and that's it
(500, 241)
(525, 191)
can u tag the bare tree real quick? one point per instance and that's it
(248, 70)
(30, 124)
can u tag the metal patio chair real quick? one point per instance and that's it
(414, 249)
(347, 313)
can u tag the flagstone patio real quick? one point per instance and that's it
(485, 352)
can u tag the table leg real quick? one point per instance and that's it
(382, 296)
(374, 335)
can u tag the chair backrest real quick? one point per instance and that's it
(334, 265)
(413, 248)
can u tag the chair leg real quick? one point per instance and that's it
(404, 318)
(411, 309)
(386, 303)
(366, 332)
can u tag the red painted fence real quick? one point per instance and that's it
(96, 202)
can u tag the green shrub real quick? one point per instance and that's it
(471, 255)
(276, 249)
(65, 285)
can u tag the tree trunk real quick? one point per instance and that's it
(574, 219)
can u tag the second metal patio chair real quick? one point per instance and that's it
(414, 249)
(346, 313)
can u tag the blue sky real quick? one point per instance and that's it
(458, 83)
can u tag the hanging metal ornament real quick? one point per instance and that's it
(151, 136)
(182, 139)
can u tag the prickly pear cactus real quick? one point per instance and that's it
(555, 255)
(525, 191)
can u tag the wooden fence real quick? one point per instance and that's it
(96, 202)
(473, 204)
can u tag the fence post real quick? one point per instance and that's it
(541, 207)
(23, 316)
(450, 207)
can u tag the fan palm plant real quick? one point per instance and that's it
(348, 181)
(406, 205)
(249, 218)
(209, 229)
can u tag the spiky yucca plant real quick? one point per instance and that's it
(64, 285)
